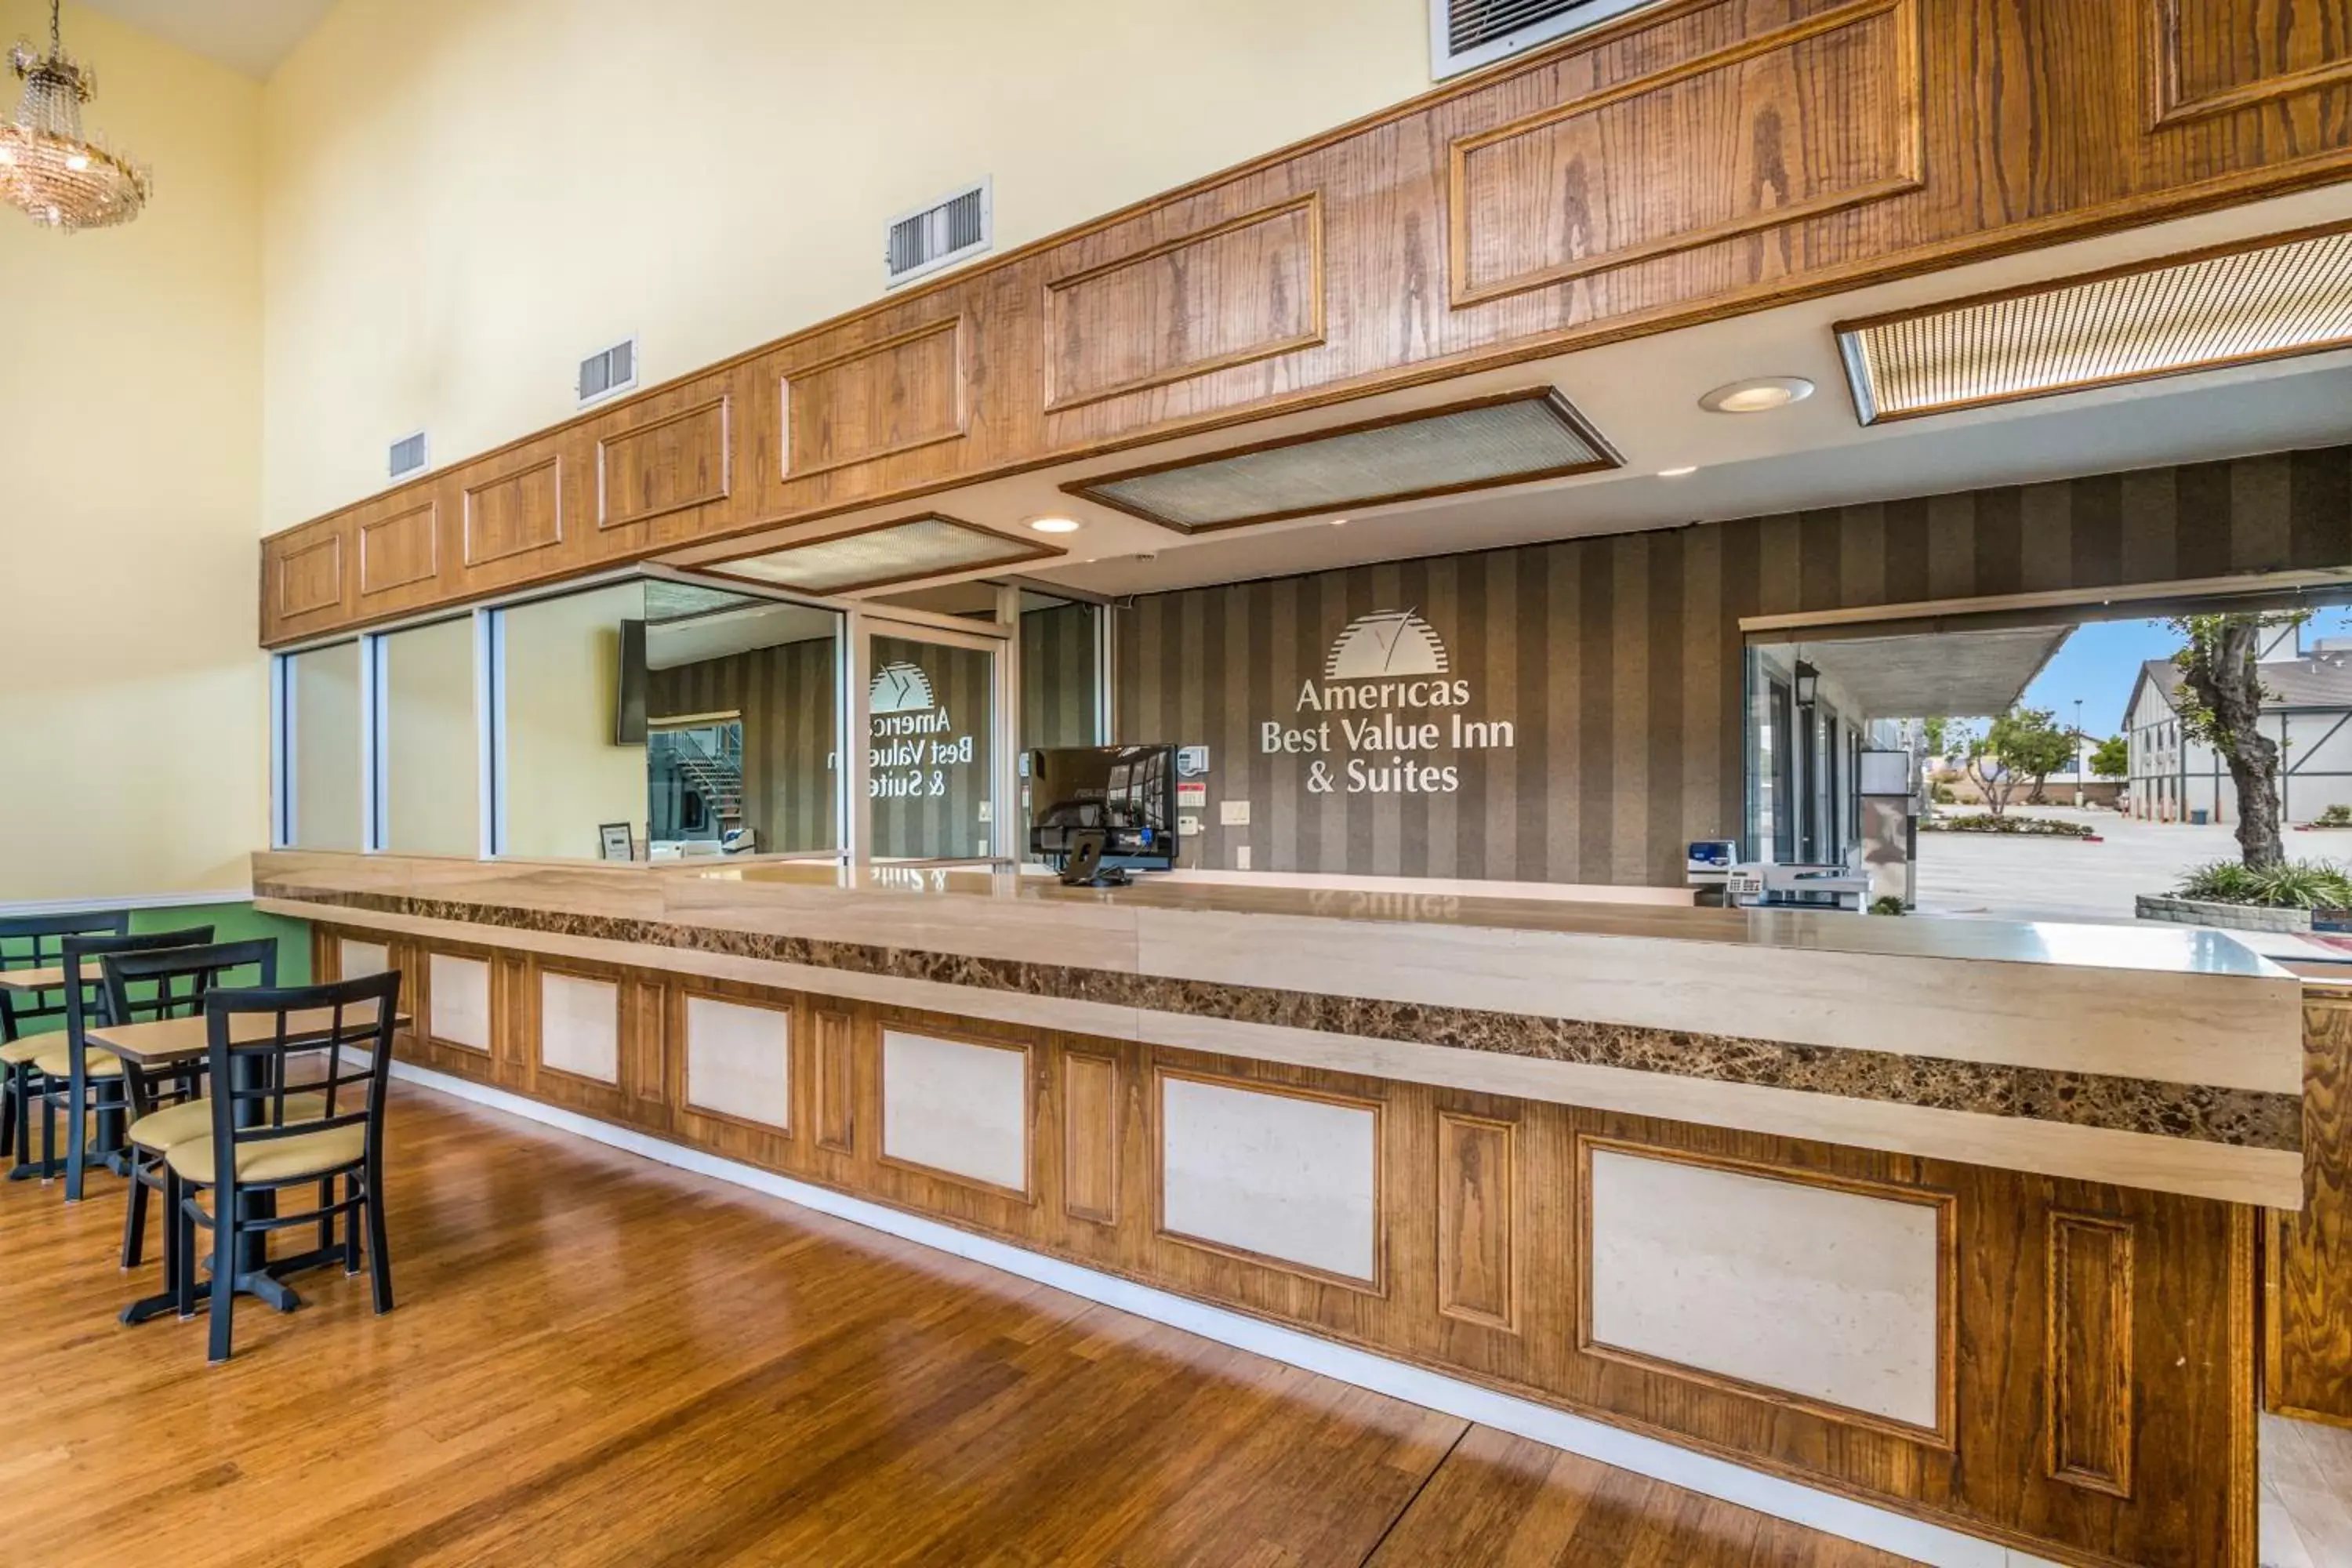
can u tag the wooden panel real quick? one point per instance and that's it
(310, 577)
(399, 549)
(2307, 1265)
(836, 1083)
(904, 392)
(1244, 291)
(1821, 116)
(664, 464)
(515, 514)
(2089, 1351)
(2212, 56)
(1477, 1210)
(1090, 1137)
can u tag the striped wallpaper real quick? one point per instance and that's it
(1057, 676)
(941, 817)
(1617, 659)
(785, 695)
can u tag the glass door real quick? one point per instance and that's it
(933, 709)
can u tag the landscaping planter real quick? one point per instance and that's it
(2232, 917)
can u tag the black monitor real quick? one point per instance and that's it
(1124, 793)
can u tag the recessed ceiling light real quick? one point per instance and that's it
(1759, 394)
(1054, 524)
(1681, 473)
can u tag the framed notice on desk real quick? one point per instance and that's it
(614, 842)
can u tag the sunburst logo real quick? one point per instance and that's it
(1384, 644)
(899, 689)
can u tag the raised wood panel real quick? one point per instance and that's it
(897, 396)
(1823, 115)
(2308, 1263)
(1245, 289)
(1477, 1214)
(836, 1081)
(1090, 1142)
(310, 578)
(2211, 56)
(2088, 1364)
(399, 549)
(2191, 1313)
(665, 465)
(516, 513)
(1733, 155)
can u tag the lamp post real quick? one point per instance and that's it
(2078, 753)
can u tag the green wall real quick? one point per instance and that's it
(230, 922)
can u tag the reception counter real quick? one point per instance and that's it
(1955, 1218)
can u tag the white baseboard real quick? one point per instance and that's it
(1825, 1512)
(126, 901)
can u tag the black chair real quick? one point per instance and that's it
(81, 1080)
(32, 941)
(261, 1146)
(146, 987)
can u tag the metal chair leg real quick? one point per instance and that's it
(223, 1274)
(8, 1075)
(134, 1218)
(77, 1133)
(379, 1255)
(350, 1227)
(180, 1256)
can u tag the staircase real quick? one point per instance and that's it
(716, 775)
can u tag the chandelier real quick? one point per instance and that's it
(48, 169)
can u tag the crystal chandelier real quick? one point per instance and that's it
(48, 168)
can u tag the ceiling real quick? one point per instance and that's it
(1934, 674)
(247, 35)
(1643, 396)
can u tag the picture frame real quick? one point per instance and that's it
(614, 842)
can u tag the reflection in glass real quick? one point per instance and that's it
(933, 711)
(431, 789)
(1059, 673)
(322, 748)
(740, 699)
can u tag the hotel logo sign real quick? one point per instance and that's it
(1389, 717)
(914, 741)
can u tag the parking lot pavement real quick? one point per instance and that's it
(2005, 878)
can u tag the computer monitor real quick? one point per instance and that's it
(1128, 794)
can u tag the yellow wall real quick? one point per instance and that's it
(465, 196)
(134, 706)
(431, 741)
(566, 777)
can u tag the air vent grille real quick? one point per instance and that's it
(940, 235)
(409, 456)
(608, 371)
(1512, 439)
(1466, 34)
(2234, 305)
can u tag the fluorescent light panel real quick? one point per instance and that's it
(1512, 439)
(2233, 305)
(902, 551)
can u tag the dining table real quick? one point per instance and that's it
(162, 1044)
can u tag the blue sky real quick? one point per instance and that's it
(2100, 661)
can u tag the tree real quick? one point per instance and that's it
(2220, 703)
(2112, 758)
(2029, 740)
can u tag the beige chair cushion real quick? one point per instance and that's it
(58, 1062)
(16, 1053)
(279, 1159)
(165, 1130)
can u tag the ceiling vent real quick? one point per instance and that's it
(2236, 304)
(1466, 34)
(941, 235)
(901, 550)
(607, 372)
(409, 456)
(1510, 439)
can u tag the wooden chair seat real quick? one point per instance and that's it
(305, 1154)
(56, 1061)
(16, 1052)
(165, 1130)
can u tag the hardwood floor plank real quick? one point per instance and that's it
(599, 1360)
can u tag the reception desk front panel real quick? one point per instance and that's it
(2063, 1364)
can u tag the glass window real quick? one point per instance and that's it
(321, 710)
(931, 709)
(742, 738)
(428, 768)
(568, 763)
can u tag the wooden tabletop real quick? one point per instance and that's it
(167, 1040)
(49, 979)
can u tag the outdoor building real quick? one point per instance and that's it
(2306, 709)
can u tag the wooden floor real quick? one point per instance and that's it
(601, 1360)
